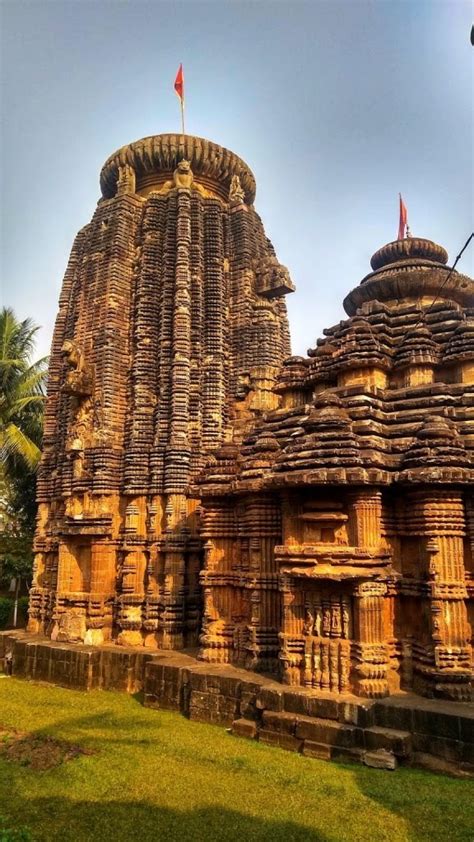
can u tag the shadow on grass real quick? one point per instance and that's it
(434, 806)
(122, 821)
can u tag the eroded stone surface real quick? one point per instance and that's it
(310, 517)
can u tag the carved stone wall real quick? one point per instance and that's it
(311, 517)
(167, 345)
(370, 457)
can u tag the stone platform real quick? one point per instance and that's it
(402, 728)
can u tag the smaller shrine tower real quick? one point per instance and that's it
(340, 536)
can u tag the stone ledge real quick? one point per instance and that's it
(408, 728)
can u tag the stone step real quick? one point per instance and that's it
(407, 727)
(390, 739)
(380, 759)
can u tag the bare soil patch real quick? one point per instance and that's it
(39, 752)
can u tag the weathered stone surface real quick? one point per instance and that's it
(397, 742)
(320, 751)
(244, 728)
(360, 714)
(280, 739)
(306, 517)
(443, 747)
(165, 687)
(282, 722)
(329, 732)
(380, 759)
(270, 699)
(212, 707)
(361, 476)
(170, 333)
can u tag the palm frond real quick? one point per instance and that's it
(16, 446)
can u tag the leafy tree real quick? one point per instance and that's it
(22, 388)
(21, 395)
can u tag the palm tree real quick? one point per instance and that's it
(22, 385)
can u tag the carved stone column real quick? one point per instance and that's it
(365, 512)
(218, 579)
(261, 526)
(369, 648)
(173, 547)
(441, 521)
(291, 649)
(370, 653)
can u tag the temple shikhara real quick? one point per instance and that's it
(201, 489)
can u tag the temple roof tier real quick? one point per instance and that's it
(410, 269)
(155, 158)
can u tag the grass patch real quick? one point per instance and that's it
(153, 775)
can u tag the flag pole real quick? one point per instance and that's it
(179, 88)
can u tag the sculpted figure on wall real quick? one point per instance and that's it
(79, 379)
(236, 193)
(183, 179)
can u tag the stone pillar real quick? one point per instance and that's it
(102, 592)
(221, 558)
(261, 526)
(290, 651)
(442, 522)
(365, 512)
(132, 573)
(369, 650)
(173, 546)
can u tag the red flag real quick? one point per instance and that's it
(402, 225)
(179, 83)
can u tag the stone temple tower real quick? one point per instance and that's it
(171, 330)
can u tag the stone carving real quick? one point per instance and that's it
(183, 179)
(183, 176)
(156, 327)
(371, 501)
(79, 379)
(306, 516)
(126, 181)
(271, 278)
(236, 192)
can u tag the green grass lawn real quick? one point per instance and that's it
(153, 775)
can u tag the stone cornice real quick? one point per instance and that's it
(160, 154)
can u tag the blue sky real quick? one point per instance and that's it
(336, 106)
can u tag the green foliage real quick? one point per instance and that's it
(153, 774)
(23, 605)
(8, 834)
(6, 611)
(22, 386)
(21, 395)
(6, 608)
(16, 554)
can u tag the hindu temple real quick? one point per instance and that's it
(310, 518)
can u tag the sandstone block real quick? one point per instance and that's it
(244, 728)
(327, 731)
(398, 742)
(280, 722)
(380, 759)
(279, 739)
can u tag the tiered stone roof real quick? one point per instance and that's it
(358, 418)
